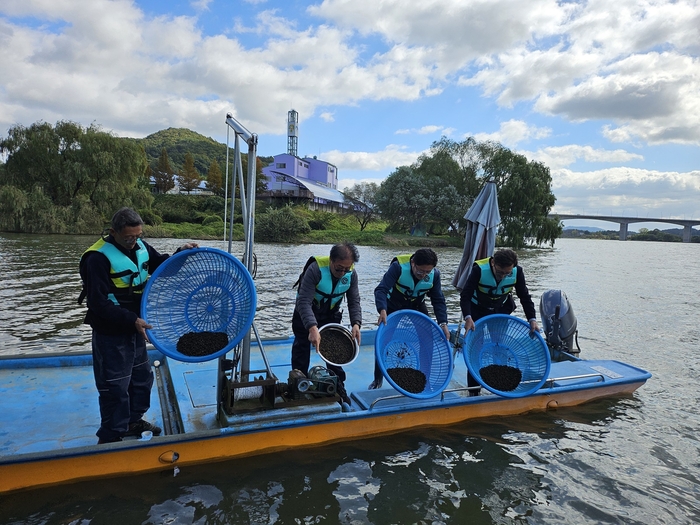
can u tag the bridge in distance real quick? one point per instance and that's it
(624, 222)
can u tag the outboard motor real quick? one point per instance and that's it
(559, 324)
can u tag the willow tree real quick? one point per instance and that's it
(525, 198)
(403, 201)
(438, 189)
(443, 186)
(69, 179)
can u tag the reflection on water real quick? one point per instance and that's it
(626, 460)
(543, 468)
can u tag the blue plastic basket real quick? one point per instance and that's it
(198, 290)
(411, 339)
(502, 339)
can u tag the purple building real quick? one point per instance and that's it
(293, 179)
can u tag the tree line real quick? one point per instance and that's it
(436, 191)
(66, 178)
(70, 179)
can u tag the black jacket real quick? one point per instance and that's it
(103, 315)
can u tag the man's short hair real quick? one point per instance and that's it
(425, 257)
(125, 217)
(505, 258)
(345, 250)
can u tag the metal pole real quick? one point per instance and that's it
(248, 209)
(228, 129)
(236, 162)
(252, 168)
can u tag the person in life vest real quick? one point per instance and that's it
(489, 290)
(405, 285)
(323, 283)
(114, 271)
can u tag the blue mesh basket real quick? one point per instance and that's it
(411, 339)
(198, 290)
(505, 340)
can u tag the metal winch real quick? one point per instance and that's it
(319, 383)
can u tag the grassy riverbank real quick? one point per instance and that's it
(375, 235)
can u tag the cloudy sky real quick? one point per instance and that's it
(607, 94)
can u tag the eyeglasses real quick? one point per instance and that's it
(500, 272)
(419, 272)
(130, 239)
(342, 269)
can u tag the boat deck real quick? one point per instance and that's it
(50, 402)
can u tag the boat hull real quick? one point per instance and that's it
(58, 454)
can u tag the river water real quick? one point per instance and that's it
(624, 460)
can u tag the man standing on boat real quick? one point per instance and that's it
(114, 271)
(409, 279)
(323, 283)
(489, 290)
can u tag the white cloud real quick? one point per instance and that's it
(632, 177)
(388, 159)
(344, 183)
(106, 62)
(201, 5)
(453, 30)
(426, 130)
(606, 62)
(557, 157)
(656, 96)
(632, 62)
(639, 192)
(513, 132)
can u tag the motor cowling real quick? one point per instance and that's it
(559, 322)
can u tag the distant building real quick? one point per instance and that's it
(308, 180)
(201, 189)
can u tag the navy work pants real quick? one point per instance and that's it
(123, 378)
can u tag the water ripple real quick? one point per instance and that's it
(632, 460)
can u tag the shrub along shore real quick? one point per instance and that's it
(360, 238)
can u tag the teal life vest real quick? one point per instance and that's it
(489, 293)
(127, 278)
(406, 285)
(326, 295)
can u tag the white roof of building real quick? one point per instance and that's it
(319, 190)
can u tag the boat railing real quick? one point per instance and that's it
(460, 389)
(442, 394)
(385, 398)
(550, 381)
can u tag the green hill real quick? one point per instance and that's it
(179, 141)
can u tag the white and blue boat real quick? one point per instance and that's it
(246, 400)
